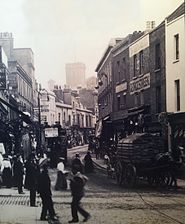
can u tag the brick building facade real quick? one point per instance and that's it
(138, 82)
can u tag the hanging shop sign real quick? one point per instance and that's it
(140, 83)
(2, 78)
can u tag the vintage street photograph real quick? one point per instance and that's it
(92, 111)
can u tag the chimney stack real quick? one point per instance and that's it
(150, 25)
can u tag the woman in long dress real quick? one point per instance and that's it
(61, 182)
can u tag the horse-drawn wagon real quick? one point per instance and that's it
(143, 156)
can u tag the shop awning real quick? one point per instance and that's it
(138, 110)
(3, 109)
(98, 128)
(24, 117)
(135, 112)
(106, 118)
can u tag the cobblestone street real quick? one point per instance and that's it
(106, 202)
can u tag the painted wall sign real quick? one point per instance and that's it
(140, 83)
(121, 87)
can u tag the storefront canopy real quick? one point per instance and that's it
(98, 128)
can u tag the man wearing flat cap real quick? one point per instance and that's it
(77, 184)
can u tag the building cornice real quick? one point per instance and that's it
(67, 106)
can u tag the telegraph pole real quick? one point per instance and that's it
(39, 122)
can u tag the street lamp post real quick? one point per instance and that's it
(39, 121)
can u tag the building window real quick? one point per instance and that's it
(135, 65)
(118, 102)
(177, 92)
(73, 119)
(86, 119)
(137, 99)
(78, 119)
(69, 118)
(59, 115)
(44, 118)
(141, 62)
(142, 100)
(176, 37)
(90, 121)
(158, 99)
(118, 69)
(82, 120)
(124, 69)
(157, 56)
(64, 117)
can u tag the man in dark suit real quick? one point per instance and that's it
(19, 173)
(76, 165)
(44, 188)
(31, 179)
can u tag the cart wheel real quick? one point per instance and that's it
(130, 175)
(165, 178)
(119, 173)
(151, 180)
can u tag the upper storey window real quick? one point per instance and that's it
(124, 69)
(118, 69)
(157, 56)
(176, 40)
(135, 65)
(141, 64)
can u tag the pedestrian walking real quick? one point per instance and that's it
(76, 165)
(77, 184)
(44, 189)
(61, 182)
(97, 149)
(31, 178)
(19, 173)
(6, 170)
(88, 167)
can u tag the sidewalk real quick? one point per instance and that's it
(15, 209)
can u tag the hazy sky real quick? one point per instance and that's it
(65, 31)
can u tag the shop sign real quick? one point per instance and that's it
(121, 87)
(140, 84)
(51, 132)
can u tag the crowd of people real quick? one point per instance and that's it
(32, 175)
(11, 172)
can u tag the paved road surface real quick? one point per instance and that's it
(107, 203)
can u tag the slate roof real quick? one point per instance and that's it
(178, 12)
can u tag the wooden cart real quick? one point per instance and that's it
(142, 155)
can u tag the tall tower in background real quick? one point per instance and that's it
(7, 41)
(75, 75)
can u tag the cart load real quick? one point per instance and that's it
(142, 156)
(140, 148)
